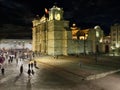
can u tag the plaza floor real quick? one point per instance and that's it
(83, 66)
(75, 69)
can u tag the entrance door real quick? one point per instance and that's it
(106, 49)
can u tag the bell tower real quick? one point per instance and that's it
(59, 35)
(56, 13)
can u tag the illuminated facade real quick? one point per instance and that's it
(91, 39)
(53, 36)
(96, 35)
(77, 33)
(115, 38)
(106, 43)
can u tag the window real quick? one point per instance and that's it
(97, 33)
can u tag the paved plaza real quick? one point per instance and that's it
(83, 66)
(62, 73)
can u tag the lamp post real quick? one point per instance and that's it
(84, 45)
(96, 54)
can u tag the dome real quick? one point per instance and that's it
(97, 27)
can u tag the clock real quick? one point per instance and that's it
(57, 16)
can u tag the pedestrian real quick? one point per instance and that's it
(11, 59)
(8, 60)
(35, 63)
(32, 71)
(21, 69)
(2, 70)
(31, 65)
(29, 72)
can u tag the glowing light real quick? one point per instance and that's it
(97, 34)
(46, 11)
(112, 47)
(82, 38)
(74, 24)
(117, 46)
(101, 40)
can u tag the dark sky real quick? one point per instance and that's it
(17, 15)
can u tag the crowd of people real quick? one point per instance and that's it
(31, 66)
(6, 57)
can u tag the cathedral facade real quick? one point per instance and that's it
(52, 36)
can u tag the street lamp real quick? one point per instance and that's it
(84, 45)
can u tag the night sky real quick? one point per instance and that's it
(16, 15)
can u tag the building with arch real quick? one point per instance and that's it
(115, 39)
(52, 35)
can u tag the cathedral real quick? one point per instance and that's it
(52, 35)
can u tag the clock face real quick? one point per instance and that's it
(57, 16)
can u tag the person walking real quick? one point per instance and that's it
(2, 70)
(21, 69)
(9, 61)
(31, 65)
(29, 72)
(35, 63)
(32, 71)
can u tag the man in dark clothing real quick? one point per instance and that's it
(31, 65)
(2, 70)
(32, 71)
(29, 72)
(21, 69)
